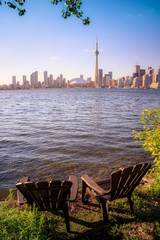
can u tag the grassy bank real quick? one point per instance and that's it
(86, 220)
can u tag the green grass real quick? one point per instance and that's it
(86, 220)
(26, 224)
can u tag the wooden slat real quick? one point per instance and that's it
(145, 167)
(105, 183)
(93, 185)
(63, 193)
(54, 192)
(26, 194)
(101, 181)
(43, 188)
(74, 188)
(132, 176)
(132, 181)
(128, 182)
(115, 180)
(125, 175)
(20, 196)
(31, 187)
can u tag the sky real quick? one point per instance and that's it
(128, 34)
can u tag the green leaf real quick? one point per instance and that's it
(11, 5)
(86, 21)
(21, 12)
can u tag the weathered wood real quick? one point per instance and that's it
(74, 187)
(84, 186)
(144, 168)
(20, 196)
(43, 188)
(132, 180)
(104, 183)
(31, 187)
(63, 193)
(131, 204)
(123, 183)
(54, 192)
(120, 184)
(104, 209)
(66, 216)
(26, 194)
(115, 181)
(93, 185)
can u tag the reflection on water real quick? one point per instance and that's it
(51, 133)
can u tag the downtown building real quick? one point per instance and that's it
(138, 76)
(34, 80)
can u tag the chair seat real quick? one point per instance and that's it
(104, 183)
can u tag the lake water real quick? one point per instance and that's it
(52, 133)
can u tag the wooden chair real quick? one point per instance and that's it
(53, 195)
(120, 184)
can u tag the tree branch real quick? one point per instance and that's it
(70, 7)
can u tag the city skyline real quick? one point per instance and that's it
(141, 78)
(128, 33)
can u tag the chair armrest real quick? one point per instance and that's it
(93, 185)
(74, 188)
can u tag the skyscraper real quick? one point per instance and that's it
(137, 70)
(50, 80)
(24, 81)
(110, 73)
(14, 81)
(142, 72)
(46, 78)
(34, 79)
(96, 83)
(100, 76)
(146, 81)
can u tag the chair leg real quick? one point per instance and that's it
(84, 186)
(105, 208)
(66, 216)
(131, 204)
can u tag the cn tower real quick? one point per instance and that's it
(96, 82)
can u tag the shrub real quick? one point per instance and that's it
(149, 137)
(26, 224)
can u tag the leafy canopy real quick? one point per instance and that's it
(70, 7)
(149, 137)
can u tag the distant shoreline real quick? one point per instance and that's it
(1, 89)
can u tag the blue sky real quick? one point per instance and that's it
(128, 33)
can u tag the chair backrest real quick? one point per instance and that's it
(124, 181)
(46, 195)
